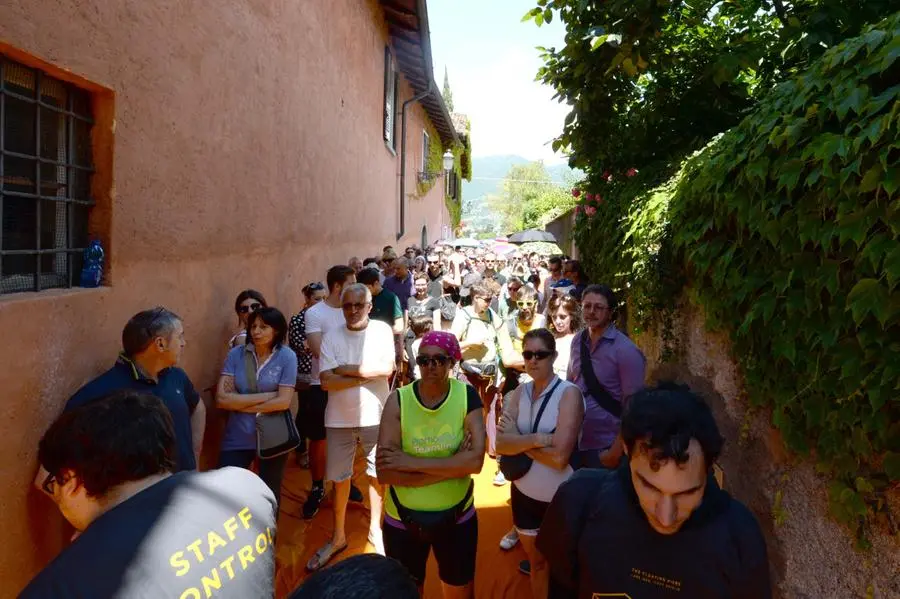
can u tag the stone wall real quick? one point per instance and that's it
(812, 556)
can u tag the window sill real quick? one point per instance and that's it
(9, 299)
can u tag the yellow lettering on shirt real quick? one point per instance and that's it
(215, 541)
(191, 594)
(245, 517)
(226, 564)
(195, 547)
(245, 554)
(231, 527)
(261, 543)
(181, 565)
(269, 534)
(211, 583)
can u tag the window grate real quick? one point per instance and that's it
(45, 179)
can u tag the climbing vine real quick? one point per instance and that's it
(786, 230)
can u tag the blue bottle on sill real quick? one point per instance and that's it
(92, 271)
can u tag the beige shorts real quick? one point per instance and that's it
(341, 444)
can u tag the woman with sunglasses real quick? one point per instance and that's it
(247, 302)
(430, 443)
(542, 419)
(313, 293)
(274, 366)
(564, 315)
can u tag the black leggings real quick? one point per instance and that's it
(271, 471)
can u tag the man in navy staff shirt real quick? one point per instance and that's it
(152, 344)
(658, 527)
(144, 531)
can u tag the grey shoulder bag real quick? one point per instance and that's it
(276, 432)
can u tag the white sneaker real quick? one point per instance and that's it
(509, 540)
(499, 479)
(377, 542)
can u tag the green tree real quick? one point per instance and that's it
(447, 93)
(651, 82)
(529, 198)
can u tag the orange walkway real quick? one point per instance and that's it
(497, 574)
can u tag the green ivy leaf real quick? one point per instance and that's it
(871, 179)
(867, 297)
(892, 266)
(892, 465)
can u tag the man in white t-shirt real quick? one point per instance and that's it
(320, 319)
(355, 363)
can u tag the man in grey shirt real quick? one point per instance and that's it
(143, 532)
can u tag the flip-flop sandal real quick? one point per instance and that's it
(323, 556)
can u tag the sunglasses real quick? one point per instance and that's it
(251, 308)
(526, 304)
(48, 483)
(315, 286)
(354, 306)
(424, 361)
(540, 355)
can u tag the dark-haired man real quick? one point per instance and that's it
(659, 526)
(144, 531)
(152, 343)
(608, 368)
(366, 576)
(385, 304)
(320, 319)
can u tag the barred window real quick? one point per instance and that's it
(45, 179)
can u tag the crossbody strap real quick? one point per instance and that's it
(547, 396)
(250, 371)
(596, 390)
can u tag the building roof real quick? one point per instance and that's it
(411, 39)
(460, 123)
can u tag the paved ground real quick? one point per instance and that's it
(497, 573)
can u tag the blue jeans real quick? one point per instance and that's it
(271, 471)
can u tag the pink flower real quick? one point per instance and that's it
(607, 176)
(576, 192)
(578, 209)
(631, 172)
(590, 210)
(589, 197)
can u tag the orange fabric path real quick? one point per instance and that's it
(496, 575)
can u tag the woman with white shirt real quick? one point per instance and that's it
(542, 420)
(564, 320)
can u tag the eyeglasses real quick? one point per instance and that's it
(424, 361)
(540, 355)
(251, 308)
(47, 485)
(315, 286)
(592, 307)
(526, 304)
(354, 306)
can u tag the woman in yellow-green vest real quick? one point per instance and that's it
(430, 444)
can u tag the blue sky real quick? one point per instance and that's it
(491, 58)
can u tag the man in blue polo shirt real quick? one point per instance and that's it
(152, 343)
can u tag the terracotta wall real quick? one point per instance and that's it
(812, 556)
(239, 145)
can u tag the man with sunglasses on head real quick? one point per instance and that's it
(356, 361)
(608, 368)
(152, 344)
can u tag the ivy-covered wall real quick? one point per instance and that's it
(785, 230)
(462, 166)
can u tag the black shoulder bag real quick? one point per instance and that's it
(595, 389)
(430, 526)
(516, 466)
(276, 432)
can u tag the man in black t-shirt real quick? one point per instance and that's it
(659, 526)
(143, 532)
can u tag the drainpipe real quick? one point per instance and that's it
(406, 104)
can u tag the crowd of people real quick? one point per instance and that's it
(427, 363)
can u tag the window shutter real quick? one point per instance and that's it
(389, 97)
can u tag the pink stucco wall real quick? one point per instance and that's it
(240, 145)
